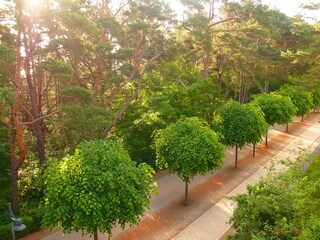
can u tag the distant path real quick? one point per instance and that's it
(170, 219)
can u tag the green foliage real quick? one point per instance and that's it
(96, 188)
(188, 148)
(59, 70)
(5, 189)
(240, 124)
(316, 98)
(75, 124)
(76, 96)
(6, 100)
(136, 129)
(77, 121)
(301, 99)
(277, 109)
(283, 205)
(205, 99)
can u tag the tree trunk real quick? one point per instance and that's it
(240, 88)
(35, 105)
(254, 150)
(302, 118)
(40, 142)
(246, 90)
(14, 173)
(266, 143)
(236, 157)
(287, 127)
(266, 82)
(95, 234)
(227, 85)
(186, 191)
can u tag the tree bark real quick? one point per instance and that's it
(240, 87)
(266, 82)
(302, 118)
(254, 150)
(287, 127)
(95, 234)
(266, 143)
(186, 191)
(236, 157)
(14, 173)
(227, 85)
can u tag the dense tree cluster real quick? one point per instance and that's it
(74, 71)
(281, 206)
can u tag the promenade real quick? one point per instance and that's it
(206, 216)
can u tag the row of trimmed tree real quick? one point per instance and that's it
(83, 197)
(190, 147)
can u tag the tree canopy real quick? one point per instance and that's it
(300, 98)
(240, 125)
(277, 109)
(188, 148)
(97, 187)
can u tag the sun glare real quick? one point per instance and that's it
(33, 4)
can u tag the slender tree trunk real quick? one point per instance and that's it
(240, 88)
(266, 143)
(40, 142)
(254, 150)
(227, 85)
(302, 118)
(35, 105)
(14, 119)
(14, 173)
(95, 234)
(245, 90)
(287, 127)
(266, 82)
(186, 191)
(236, 157)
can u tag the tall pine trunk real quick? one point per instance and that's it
(34, 95)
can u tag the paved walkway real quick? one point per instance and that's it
(169, 219)
(213, 223)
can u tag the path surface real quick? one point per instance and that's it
(206, 215)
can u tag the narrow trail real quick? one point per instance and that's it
(169, 216)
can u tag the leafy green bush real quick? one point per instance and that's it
(283, 205)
